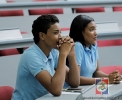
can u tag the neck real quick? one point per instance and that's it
(87, 45)
(46, 50)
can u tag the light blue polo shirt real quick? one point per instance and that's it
(31, 63)
(86, 59)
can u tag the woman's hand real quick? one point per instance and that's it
(117, 77)
(114, 77)
(66, 45)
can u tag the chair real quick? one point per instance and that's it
(65, 29)
(10, 1)
(6, 13)
(6, 92)
(89, 9)
(103, 43)
(13, 51)
(109, 69)
(43, 0)
(45, 11)
(117, 9)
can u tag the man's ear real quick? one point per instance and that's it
(41, 35)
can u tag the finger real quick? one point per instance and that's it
(117, 79)
(58, 46)
(117, 75)
(120, 77)
(67, 38)
(73, 44)
(116, 82)
(61, 40)
(116, 71)
(71, 40)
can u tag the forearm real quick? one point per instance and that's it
(58, 79)
(100, 74)
(74, 72)
(86, 81)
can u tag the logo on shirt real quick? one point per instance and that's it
(102, 86)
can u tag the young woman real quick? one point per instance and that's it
(83, 32)
(36, 74)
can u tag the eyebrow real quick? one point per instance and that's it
(93, 27)
(57, 30)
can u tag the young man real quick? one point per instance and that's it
(36, 75)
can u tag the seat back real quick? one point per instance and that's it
(12, 51)
(89, 9)
(5, 13)
(43, 0)
(109, 69)
(103, 43)
(116, 9)
(6, 92)
(45, 11)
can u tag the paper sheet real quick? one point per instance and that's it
(107, 27)
(10, 34)
(70, 93)
(2, 1)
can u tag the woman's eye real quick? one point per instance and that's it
(91, 29)
(55, 32)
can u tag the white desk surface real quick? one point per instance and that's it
(27, 40)
(114, 91)
(67, 96)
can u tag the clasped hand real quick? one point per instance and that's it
(66, 45)
(114, 77)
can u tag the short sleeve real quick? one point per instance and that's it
(35, 63)
(97, 56)
(79, 52)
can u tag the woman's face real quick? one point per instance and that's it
(90, 34)
(51, 39)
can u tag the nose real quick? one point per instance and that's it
(59, 36)
(95, 33)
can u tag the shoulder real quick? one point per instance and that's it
(55, 53)
(95, 46)
(78, 45)
(31, 53)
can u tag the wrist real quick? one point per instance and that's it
(71, 54)
(63, 55)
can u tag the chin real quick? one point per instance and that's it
(94, 42)
(56, 47)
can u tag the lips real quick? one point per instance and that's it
(95, 38)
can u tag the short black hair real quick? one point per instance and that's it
(42, 24)
(78, 25)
